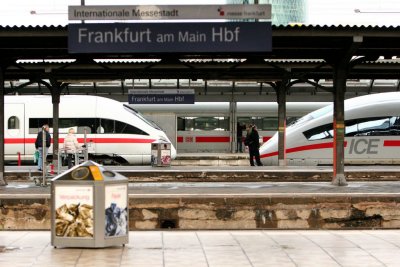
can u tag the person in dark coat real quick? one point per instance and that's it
(239, 137)
(253, 142)
(39, 145)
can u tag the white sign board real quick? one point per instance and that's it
(169, 12)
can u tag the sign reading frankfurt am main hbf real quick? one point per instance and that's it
(160, 96)
(207, 37)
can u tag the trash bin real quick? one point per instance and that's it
(160, 154)
(89, 207)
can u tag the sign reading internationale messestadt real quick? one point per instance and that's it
(156, 12)
(204, 37)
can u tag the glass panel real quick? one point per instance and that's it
(124, 128)
(203, 124)
(35, 124)
(381, 126)
(13, 123)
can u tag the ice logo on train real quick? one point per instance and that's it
(372, 134)
(115, 133)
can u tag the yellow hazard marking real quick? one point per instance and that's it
(96, 173)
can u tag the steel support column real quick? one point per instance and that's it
(55, 89)
(281, 99)
(55, 99)
(233, 120)
(2, 89)
(341, 66)
(340, 73)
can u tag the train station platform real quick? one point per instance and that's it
(228, 197)
(258, 248)
(234, 205)
(231, 173)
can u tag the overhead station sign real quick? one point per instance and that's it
(175, 12)
(207, 37)
(161, 96)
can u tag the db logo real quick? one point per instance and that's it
(221, 11)
(189, 139)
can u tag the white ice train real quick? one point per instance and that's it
(205, 127)
(116, 133)
(372, 134)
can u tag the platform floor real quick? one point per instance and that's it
(256, 248)
(18, 190)
(230, 173)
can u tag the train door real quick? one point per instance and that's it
(14, 134)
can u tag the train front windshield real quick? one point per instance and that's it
(140, 116)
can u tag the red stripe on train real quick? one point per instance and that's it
(391, 143)
(266, 138)
(203, 139)
(80, 140)
(302, 148)
(212, 139)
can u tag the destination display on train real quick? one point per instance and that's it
(161, 96)
(207, 37)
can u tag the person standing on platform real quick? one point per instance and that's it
(39, 145)
(253, 142)
(239, 137)
(71, 146)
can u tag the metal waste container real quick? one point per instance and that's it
(160, 153)
(89, 207)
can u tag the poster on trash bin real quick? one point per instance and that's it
(74, 211)
(166, 157)
(116, 219)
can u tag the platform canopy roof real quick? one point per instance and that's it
(298, 52)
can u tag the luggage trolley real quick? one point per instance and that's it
(79, 156)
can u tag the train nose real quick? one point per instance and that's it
(173, 152)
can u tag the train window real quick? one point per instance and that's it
(140, 116)
(269, 124)
(374, 127)
(381, 126)
(105, 126)
(124, 128)
(203, 124)
(87, 124)
(79, 124)
(262, 123)
(13, 123)
(90, 124)
(320, 132)
(35, 124)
